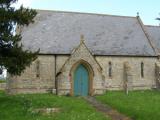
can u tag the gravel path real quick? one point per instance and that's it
(107, 110)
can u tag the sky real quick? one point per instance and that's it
(148, 9)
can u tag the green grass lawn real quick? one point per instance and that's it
(20, 107)
(139, 105)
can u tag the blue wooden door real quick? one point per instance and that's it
(81, 81)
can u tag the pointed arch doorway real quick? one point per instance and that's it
(82, 77)
(81, 81)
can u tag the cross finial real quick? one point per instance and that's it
(82, 38)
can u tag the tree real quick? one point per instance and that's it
(157, 18)
(12, 55)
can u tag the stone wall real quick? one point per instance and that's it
(43, 80)
(116, 82)
(60, 61)
(2, 86)
(38, 78)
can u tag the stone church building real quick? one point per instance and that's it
(88, 54)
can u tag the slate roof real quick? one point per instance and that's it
(154, 32)
(56, 32)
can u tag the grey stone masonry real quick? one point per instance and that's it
(2, 86)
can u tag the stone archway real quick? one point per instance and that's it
(90, 76)
(80, 55)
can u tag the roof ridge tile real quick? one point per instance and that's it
(89, 13)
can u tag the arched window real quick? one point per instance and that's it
(142, 69)
(110, 69)
(38, 69)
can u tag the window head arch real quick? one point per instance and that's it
(110, 69)
(142, 69)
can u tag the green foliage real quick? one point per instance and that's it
(12, 55)
(20, 107)
(157, 18)
(139, 105)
